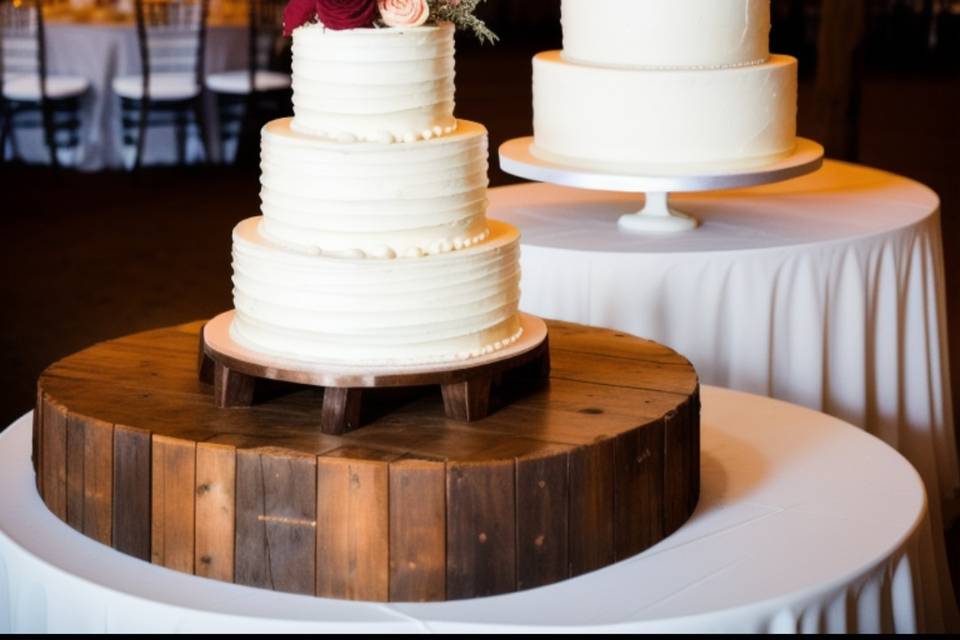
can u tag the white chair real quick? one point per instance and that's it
(169, 90)
(238, 83)
(29, 97)
(246, 97)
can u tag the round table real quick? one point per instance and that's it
(826, 291)
(804, 524)
(101, 52)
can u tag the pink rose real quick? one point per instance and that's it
(404, 13)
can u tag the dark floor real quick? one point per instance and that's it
(86, 258)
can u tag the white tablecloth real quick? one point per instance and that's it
(804, 524)
(826, 291)
(100, 52)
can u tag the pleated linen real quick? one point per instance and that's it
(805, 524)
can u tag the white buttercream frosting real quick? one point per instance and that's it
(425, 309)
(370, 252)
(666, 33)
(374, 200)
(649, 120)
(376, 85)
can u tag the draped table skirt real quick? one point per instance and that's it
(804, 524)
(825, 291)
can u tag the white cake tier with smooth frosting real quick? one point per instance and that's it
(377, 85)
(374, 200)
(647, 121)
(666, 33)
(414, 310)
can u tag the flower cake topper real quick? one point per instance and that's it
(358, 14)
(403, 13)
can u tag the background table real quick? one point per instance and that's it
(826, 291)
(804, 524)
(101, 52)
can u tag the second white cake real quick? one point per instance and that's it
(655, 88)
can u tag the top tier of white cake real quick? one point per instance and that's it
(667, 34)
(374, 85)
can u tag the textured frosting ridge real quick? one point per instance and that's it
(376, 85)
(374, 200)
(433, 308)
(648, 120)
(666, 34)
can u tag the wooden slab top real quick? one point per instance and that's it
(603, 384)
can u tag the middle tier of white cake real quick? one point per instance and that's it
(663, 121)
(358, 311)
(374, 200)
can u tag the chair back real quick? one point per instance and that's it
(267, 45)
(173, 36)
(22, 42)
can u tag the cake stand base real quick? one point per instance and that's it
(470, 388)
(657, 216)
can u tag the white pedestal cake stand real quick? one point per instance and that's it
(657, 216)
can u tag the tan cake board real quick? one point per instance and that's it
(220, 345)
(466, 385)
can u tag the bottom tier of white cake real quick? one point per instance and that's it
(410, 310)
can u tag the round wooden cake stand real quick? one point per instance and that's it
(467, 385)
(568, 477)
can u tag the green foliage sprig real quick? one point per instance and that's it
(461, 13)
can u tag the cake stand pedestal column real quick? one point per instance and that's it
(657, 216)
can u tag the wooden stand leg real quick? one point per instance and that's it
(469, 400)
(341, 410)
(231, 388)
(543, 361)
(205, 364)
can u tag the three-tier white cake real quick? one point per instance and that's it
(373, 246)
(661, 86)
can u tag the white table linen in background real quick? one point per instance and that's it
(101, 52)
(826, 291)
(804, 524)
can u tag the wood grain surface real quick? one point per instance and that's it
(564, 478)
(174, 465)
(215, 511)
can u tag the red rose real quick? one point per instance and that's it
(298, 13)
(347, 14)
